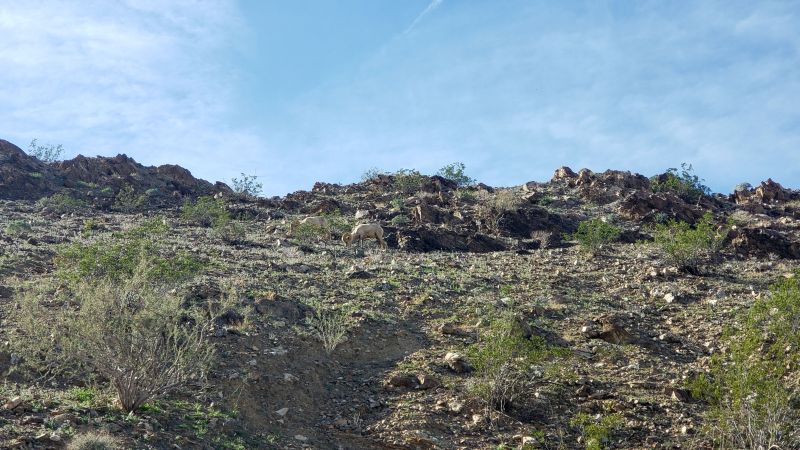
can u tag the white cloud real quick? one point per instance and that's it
(141, 77)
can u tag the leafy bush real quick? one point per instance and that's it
(133, 332)
(751, 386)
(339, 224)
(399, 220)
(117, 257)
(455, 172)
(230, 231)
(94, 441)
(594, 233)
(62, 203)
(502, 359)
(685, 184)
(127, 200)
(743, 187)
(206, 212)
(309, 232)
(247, 185)
(686, 246)
(46, 153)
(596, 431)
(407, 181)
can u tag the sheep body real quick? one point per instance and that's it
(365, 231)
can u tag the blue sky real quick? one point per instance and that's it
(321, 90)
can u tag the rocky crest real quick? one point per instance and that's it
(97, 180)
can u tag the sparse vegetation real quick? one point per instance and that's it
(685, 184)
(247, 186)
(62, 203)
(596, 430)
(687, 247)
(309, 232)
(206, 212)
(117, 257)
(127, 200)
(492, 207)
(407, 181)
(330, 325)
(750, 387)
(47, 153)
(503, 358)
(94, 441)
(17, 227)
(133, 332)
(593, 234)
(456, 172)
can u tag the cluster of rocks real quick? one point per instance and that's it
(97, 180)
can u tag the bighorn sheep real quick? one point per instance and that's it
(317, 221)
(365, 231)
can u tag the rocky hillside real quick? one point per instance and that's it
(97, 180)
(481, 327)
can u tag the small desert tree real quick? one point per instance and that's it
(685, 184)
(455, 172)
(247, 186)
(46, 153)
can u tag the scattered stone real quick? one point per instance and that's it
(13, 403)
(453, 329)
(428, 381)
(282, 412)
(403, 381)
(681, 395)
(300, 437)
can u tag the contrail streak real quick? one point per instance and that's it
(433, 5)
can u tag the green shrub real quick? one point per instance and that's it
(596, 431)
(127, 200)
(685, 246)
(247, 185)
(399, 220)
(132, 332)
(398, 204)
(455, 172)
(465, 195)
(62, 203)
(91, 440)
(502, 359)
(371, 174)
(338, 223)
(308, 232)
(407, 181)
(205, 212)
(17, 227)
(116, 257)
(685, 184)
(751, 386)
(46, 153)
(592, 234)
(230, 232)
